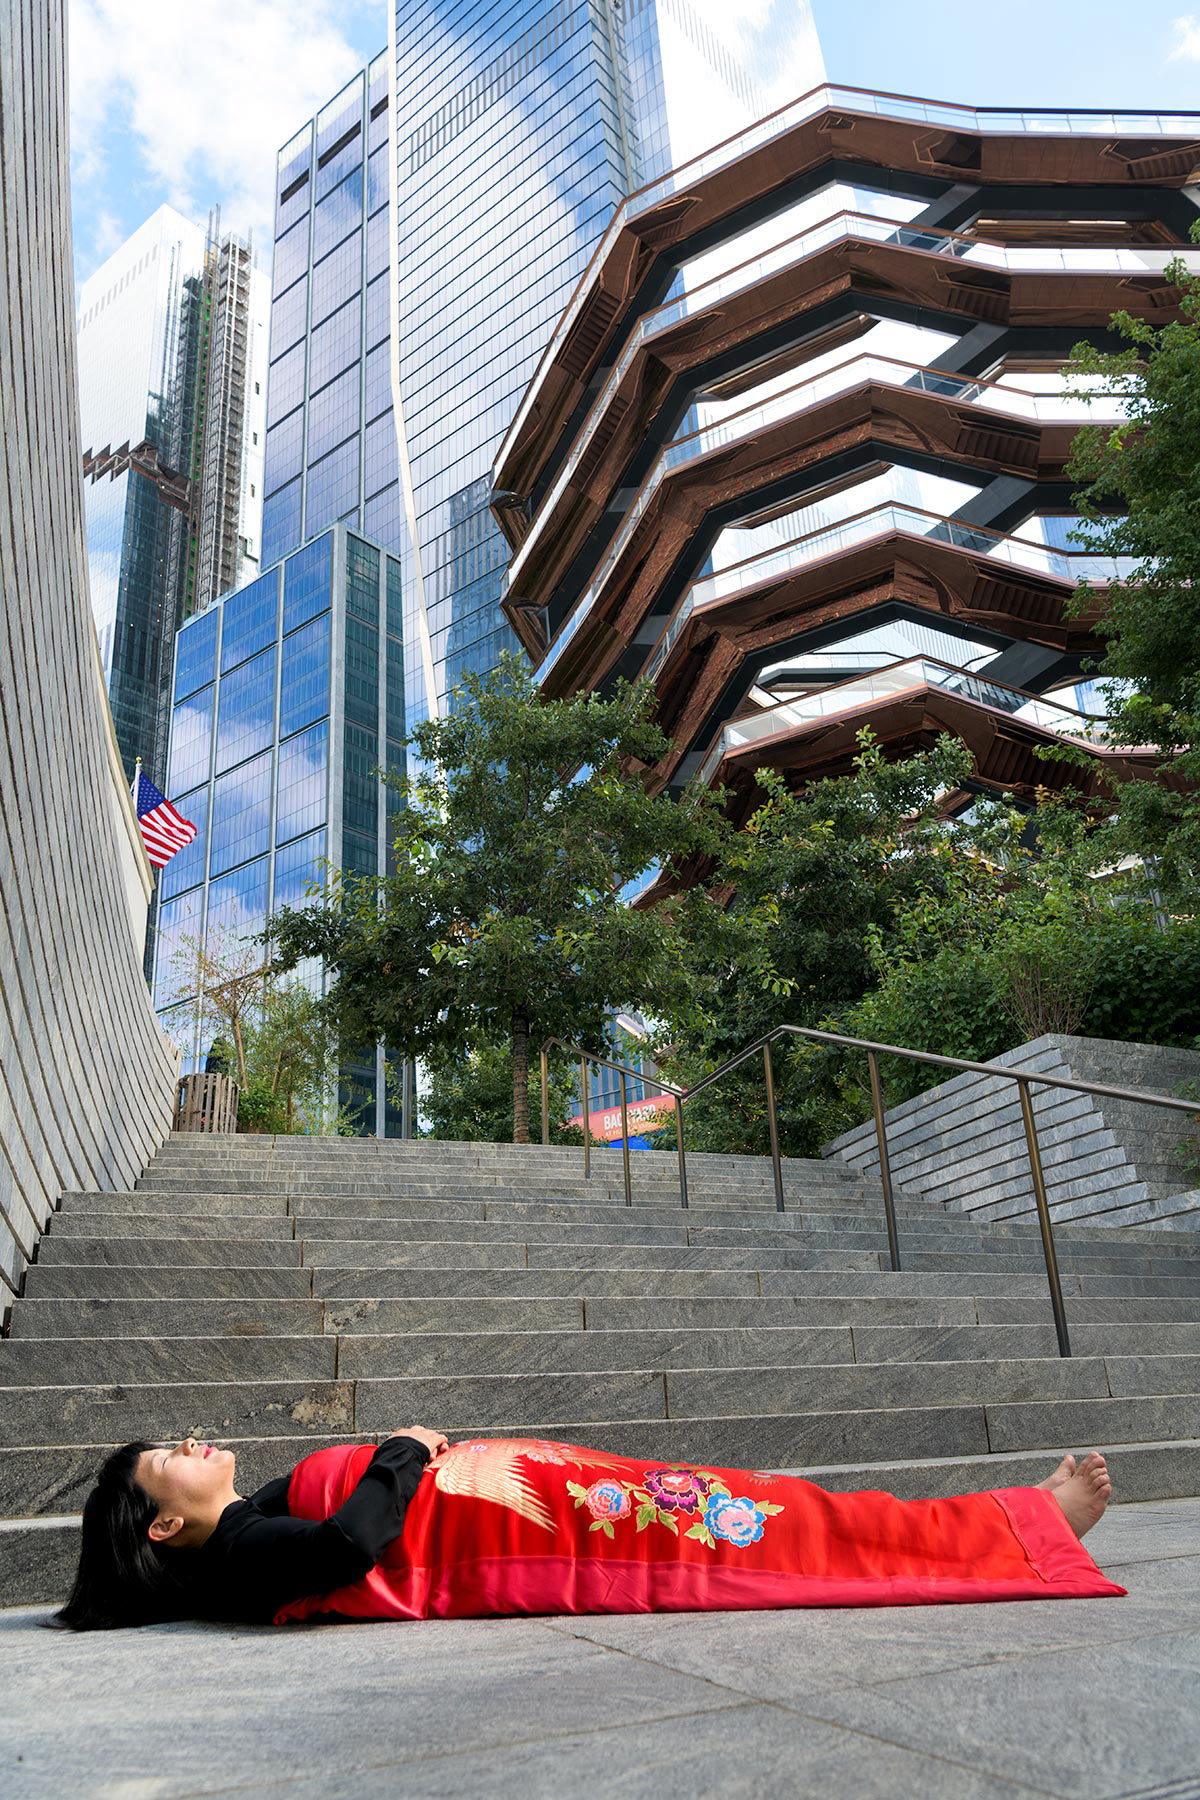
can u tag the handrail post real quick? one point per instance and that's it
(683, 1191)
(885, 1167)
(1043, 1211)
(587, 1136)
(545, 1098)
(773, 1121)
(625, 1137)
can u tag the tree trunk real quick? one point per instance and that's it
(520, 1055)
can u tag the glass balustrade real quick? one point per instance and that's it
(885, 684)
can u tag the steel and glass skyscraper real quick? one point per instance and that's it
(172, 353)
(431, 224)
(518, 129)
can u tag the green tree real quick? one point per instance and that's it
(812, 876)
(469, 1098)
(275, 1033)
(504, 916)
(1148, 466)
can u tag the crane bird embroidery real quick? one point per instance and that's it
(493, 1469)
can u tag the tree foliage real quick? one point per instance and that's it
(281, 1050)
(504, 917)
(1148, 466)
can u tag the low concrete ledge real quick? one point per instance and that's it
(1107, 1162)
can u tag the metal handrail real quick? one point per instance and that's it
(873, 1051)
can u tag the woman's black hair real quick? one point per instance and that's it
(122, 1579)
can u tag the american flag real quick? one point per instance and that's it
(164, 831)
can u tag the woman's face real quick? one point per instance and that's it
(185, 1480)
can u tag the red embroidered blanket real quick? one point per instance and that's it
(521, 1525)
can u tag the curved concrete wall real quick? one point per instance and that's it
(86, 1077)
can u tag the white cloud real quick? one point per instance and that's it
(1187, 33)
(206, 94)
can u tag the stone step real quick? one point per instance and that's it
(253, 1403)
(167, 1318)
(55, 1362)
(88, 1362)
(55, 1477)
(126, 1252)
(96, 1281)
(38, 1555)
(430, 1283)
(353, 1253)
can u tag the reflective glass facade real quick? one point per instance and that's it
(288, 695)
(172, 347)
(518, 129)
(331, 438)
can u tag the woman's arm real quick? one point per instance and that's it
(265, 1562)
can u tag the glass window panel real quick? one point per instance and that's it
(304, 679)
(395, 687)
(294, 159)
(360, 855)
(377, 179)
(191, 741)
(300, 797)
(307, 578)
(362, 580)
(186, 867)
(284, 451)
(380, 463)
(383, 520)
(340, 163)
(196, 653)
(295, 207)
(333, 416)
(250, 619)
(362, 673)
(241, 818)
(179, 1023)
(174, 961)
(335, 345)
(339, 213)
(395, 599)
(285, 384)
(281, 522)
(339, 113)
(246, 715)
(289, 316)
(379, 310)
(379, 237)
(291, 256)
(335, 279)
(378, 382)
(296, 865)
(237, 903)
(332, 488)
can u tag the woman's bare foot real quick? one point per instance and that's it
(1063, 1473)
(1085, 1492)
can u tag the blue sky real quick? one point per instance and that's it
(165, 111)
(1022, 53)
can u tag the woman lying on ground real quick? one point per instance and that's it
(415, 1529)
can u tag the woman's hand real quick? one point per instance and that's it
(434, 1441)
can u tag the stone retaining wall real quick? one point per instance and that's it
(86, 1077)
(1107, 1162)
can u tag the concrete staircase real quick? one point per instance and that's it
(276, 1294)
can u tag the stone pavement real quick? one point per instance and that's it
(1069, 1697)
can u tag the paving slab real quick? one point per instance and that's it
(991, 1702)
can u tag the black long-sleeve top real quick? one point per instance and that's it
(259, 1557)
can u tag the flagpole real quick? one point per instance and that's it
(137, 776)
